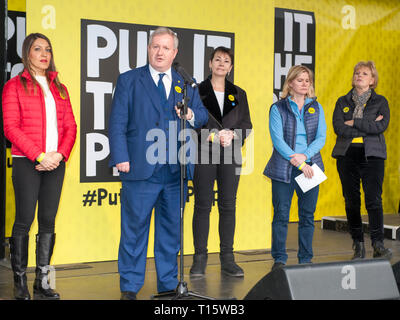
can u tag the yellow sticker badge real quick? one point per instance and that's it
(231, 97)
(311, 110)
(178, 89)
(346, 109)
(62, 96)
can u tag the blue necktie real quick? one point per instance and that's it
(161, 87)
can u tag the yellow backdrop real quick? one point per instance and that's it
(365, 30)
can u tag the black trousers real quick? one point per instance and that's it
(33, 187)
(353, 168)
(227, 176)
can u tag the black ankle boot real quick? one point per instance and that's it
(44, 251)
(229, 266)
(359, 250)
(19, 261)
(199, 265)
(380, 251)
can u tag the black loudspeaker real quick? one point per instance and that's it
(347, 280)
(396, 272)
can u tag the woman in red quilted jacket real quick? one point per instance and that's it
(39, 122)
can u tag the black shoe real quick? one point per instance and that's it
(380, 251)
(42, 289)
(359, 250)
(128, 295)
(199, 265)
(21, 291)
(44, 251)
(229, 266)
(19, 262)
(277, 265)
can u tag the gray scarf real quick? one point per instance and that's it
(360, 101)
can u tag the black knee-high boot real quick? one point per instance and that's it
(19, 261)
(44, 251)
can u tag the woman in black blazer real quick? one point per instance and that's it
(219, 158)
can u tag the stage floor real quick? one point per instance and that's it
(100, 280)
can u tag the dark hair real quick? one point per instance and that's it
(26, 47)
(224, 50)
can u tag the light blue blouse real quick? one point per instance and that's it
(276, 131)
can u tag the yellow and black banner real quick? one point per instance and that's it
(109, 49)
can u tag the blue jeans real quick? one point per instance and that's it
(282, 194)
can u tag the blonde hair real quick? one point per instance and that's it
(371, 66)
(293, 73)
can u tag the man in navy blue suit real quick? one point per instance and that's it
(144, 115)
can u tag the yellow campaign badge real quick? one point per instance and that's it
(62, 96)
(178, 89)
(311, 110)
(346, 109)
(231, 97)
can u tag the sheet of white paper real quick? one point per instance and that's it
(307, 184)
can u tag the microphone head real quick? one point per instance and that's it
(184, 74)
(181, 70)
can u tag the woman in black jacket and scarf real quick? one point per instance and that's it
(359, 120)
(219, 158)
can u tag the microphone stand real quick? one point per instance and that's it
(182, 290)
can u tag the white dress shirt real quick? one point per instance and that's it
(167, 79)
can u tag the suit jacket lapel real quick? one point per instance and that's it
(210, 100)
(176, 87)
(151, 88)
(230, 101)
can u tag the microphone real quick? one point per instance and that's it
(188, 79)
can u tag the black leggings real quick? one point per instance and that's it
(353, 168)
(227, 176)
(31, 187)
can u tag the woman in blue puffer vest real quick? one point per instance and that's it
(298, 132)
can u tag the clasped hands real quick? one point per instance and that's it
(223, 137)
(297, 159)
(50, 161)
